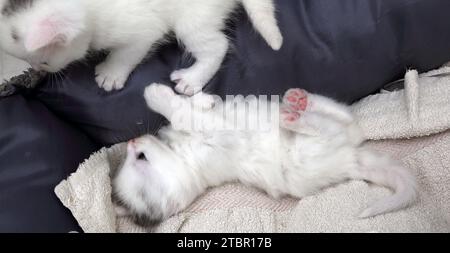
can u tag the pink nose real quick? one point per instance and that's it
(131, 146)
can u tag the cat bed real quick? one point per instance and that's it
(234, 208)
(346, 50)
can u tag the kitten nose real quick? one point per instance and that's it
(131, 145)
(36, 67)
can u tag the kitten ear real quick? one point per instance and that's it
(51, 30)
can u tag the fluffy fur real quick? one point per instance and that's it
(50, 34)
(314, 144)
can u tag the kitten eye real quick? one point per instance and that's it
(44, 63)
(142, 157)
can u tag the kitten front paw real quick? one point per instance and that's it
(203, 101)
(159, 97)
(187, 83)
(110, 78)
(156, 91)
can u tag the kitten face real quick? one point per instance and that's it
(147, 184)
(48, 34)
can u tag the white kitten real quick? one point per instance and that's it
(314, 144)
(50, 34)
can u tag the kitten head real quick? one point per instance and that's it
(153, 183)
(48, 34)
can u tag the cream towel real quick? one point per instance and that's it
(236, 208)
(422, 108)
(418, 111)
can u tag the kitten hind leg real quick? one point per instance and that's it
(331, 108)
(293, 120)
(318, 104)
(297, 115)
(295, 103)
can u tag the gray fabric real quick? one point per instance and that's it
(37, 151)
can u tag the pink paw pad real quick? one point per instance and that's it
(296, 99)
(289, 116)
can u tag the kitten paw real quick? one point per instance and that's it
(187, 83)
(109, 78)
(177, 75)
(158, 91)
(289, 116)
(203, 101)
(296, 100)
(158, 97)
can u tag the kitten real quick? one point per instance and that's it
(50, 34)
(315, 143)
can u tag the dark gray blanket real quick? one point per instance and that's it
(344, 49)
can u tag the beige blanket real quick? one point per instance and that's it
(420, 110)
(423, 108)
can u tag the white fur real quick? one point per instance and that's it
(129, 29)
(297, 158)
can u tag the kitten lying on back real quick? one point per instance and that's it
(50, 34)
(315, 144)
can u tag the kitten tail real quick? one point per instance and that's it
(382, 170)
